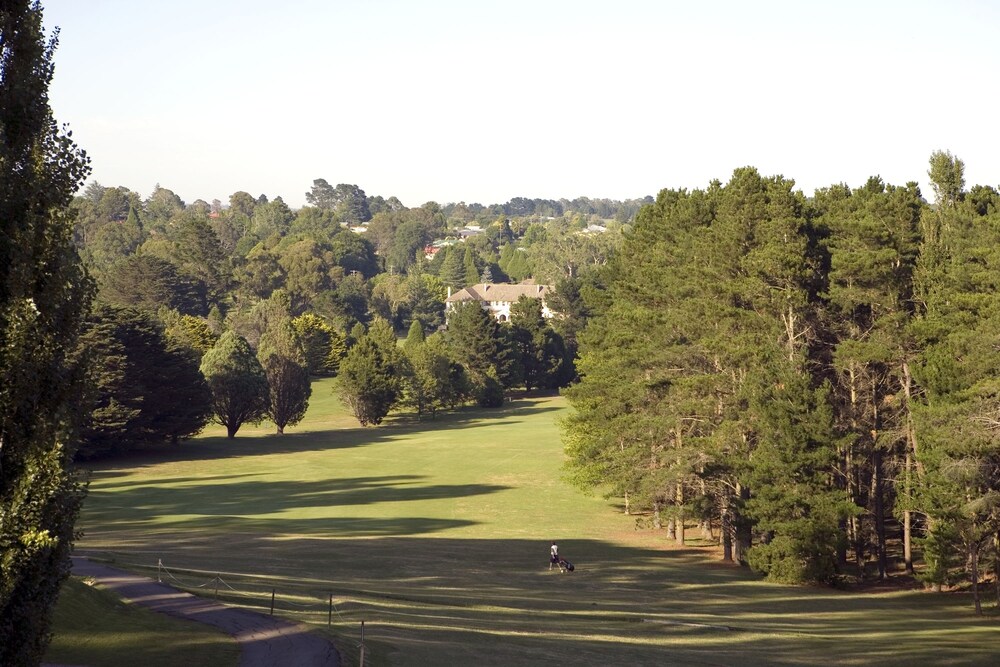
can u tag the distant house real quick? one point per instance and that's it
(499, 298)
(435, 248)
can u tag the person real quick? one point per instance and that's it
(553, 555)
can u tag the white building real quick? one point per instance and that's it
(499, 298)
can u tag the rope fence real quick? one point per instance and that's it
(265, 595)
(325, 603)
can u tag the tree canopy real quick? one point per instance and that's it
(44, 294)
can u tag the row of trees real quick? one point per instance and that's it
(151, 383)
(476, 359)
(811, 377)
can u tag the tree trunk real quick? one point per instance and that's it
(707, 530)
(726, 525)
(742, 528)
(626, 504)
(680, 514)
(231, 430)
(996, 566)
(974, 559)
(281, 429)
(911, 448)
(727, 537)
(908, 542)
(879, 506)
(657, 523)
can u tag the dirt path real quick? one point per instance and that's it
(265, 641)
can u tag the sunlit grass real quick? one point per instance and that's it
(436, 534)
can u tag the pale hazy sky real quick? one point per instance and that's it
(483, 100)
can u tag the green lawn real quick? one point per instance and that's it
(436, 535)
(95, 628)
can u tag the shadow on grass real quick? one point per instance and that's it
(270, 507)
(440, 600)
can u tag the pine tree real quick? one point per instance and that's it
(146, 391)
(452, 272)
(371, 374)
(43, 296)
(415, 336)
(955, 418)
(477, 342)
(872, 241)
(539, 349)
(711, 306)
(471, 276)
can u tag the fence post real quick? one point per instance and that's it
(159, 566)
(272, 602)
(216, 585)
(329, 614)
(361, 663)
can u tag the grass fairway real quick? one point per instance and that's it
(95, 628)
(436, 535)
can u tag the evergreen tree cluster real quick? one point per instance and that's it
(808, 379)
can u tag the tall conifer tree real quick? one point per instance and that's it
(43, 296)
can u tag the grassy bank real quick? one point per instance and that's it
(95, 628)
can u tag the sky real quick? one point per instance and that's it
(485, 100)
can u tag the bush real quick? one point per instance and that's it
(489, 394)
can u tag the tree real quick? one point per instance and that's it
(348, 202)
(238, 383)
(44, 294)
(947, 174)
(697, 381)
(477, 342)
(324, 346)
(145, 390)
(192, 332)
(260, 275)
(161, 206)
(452, 272)
(352, 204)
(198, 254)
(469, 265)
(415, 336)
(271, 218)
(540, 349)
(284, 362)
(322, 195)
(872, 240)
(243, 203)
(955, 414)
(149, 282)
(426, 300)
(433, 381)
(371, 374)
